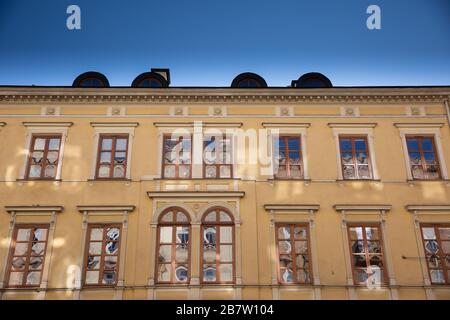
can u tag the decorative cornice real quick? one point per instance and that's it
(352, 125)
(424, 207)
(200, 123)
(285, 125)
(114, 124)
(47, 124)
(362, 207)
(196, 194)
(291, 207)
(34, 209)
(222, 95)
(419, 125)
(102, 208)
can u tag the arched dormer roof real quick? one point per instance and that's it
(91, 79)
(248, 80)
(312, 80)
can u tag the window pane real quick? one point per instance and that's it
(181, 273)
(112, 234)
(360, 144)
(284, 247)
(119, 171)
(349, 172)
(413, 145)
(182, 235)
(429, 158)
(121, 144)
(301, 247)
(15, 278)
(437, 276)
(374, 246)
(431, 246)
(209, 273)
(92, 277)
(372, 233)
(300, 233)
(50, 172)
(120, 157)
(210, 171)
(167, 217)
(181, 217)
(345, 144)
(428, 233)
(52, 157)
(95, 248)
(427, 144)
(417, 172)
(211, 216)
(110, 262)
(294, 143)
(97, 234)
(53, 144)
(286, 275)
(93, 262)
(209, 236)
(224, 217)
(226, 272)
(21, 249)
(415, 158)
(357, 247)
(23, 234)
(226, 253)
(347, 157)
(364, 172)
(164, 272)
(103, 171)
(444, 233)
(226, 234)
(39, 144)
(303, 276)
(165, 253)
(36, 157)
(302, 261)
(181, 253)
(360, 275)
(361, 158)
(105, 157)
(285, 261)
(184, 171)
(284, 232)
(35, 171)
(40, 234)
(109, 277)
(107, 144)
(225, 171)
(18, 264)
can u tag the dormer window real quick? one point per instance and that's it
(248, 80)
(312, 80)
(91, 80)
(153, 79)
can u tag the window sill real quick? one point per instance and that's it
(109, 180)
(181, 179)
(358, 180)
(427, 180)
(289, 179)
(33, 180)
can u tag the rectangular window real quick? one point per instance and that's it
(355, 157)
(27, 256)
(436, 242)
(288, 161)
(217, 157)
(294, 264)
(367, 257)
(423, 159)
(112, 157)
(43, 157)
(177, 152)
(102, 255)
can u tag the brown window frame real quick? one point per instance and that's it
(354, 152)
(384, 280)
(217, 224)
(102, 255)
(287, 151)
(27, 256)
(114, 138)
(31, 149)
(177, 165)
(422, 156)
(173, 244)
(218, 165)
(293, 254)
(441, 254)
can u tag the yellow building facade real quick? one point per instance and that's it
(247, 192)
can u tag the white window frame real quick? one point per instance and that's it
(433, 131)
(362, 131)
(99, 130)
(274, 133)
(34, 128)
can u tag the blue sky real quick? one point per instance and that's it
(208, 42)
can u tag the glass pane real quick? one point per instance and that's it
(181, 253)
(347, 157)
(226, 272)
(165, 234)
(431, 246)
(209, 273)
(35, 171)
(209, 236)
(225, 171)
(374, 246)
(110, 262)
(182, 235)
(52, 157)
(360, 145)
(15, 278)
(345, 144)
(429, 158)
(182, 217)
(224, 217)
(23, 234)
(412, 145)
(303, 276)
(121, 144)
(112, 234)
(361, 158)
(107, 144)
(103, 171)
(300, 233)
(444, 233)
(445, 246)
(18, 264)
(109, 277)
(301, 247)
(105, 157)
(209, 254)
(302, 261)
(295, 172)
(21, 249)
(168, 217)
(417, 172)
(285, 261)
(38, 248)
(364, 172)
(372, 233)
(284, 232)
(226, 253)
(360, 275)
(284, 247)
(184, 171)
(50, 171)
(93, 262)
(95, 248)
(294, 143)
(92, 277)
(376, 261)
(165, 253)
(286, 275)
(281, 172)
(53, 144)
(434, 261)
(226, 234)
(432, 172)
(164, 272)
(36, 263)
(120, 157)
(181, 273)
(33, 278)
(349, 172)
(358, 247)
(427, 144)
(437, 276)
(211, 216)
(356, 233)
(415, 158)
(119, 171)
(112, 247)
(376, 276)
(359, 260)
(97, 234)
(39, 144)
(294, 158)
(40, 234)
(37, 157)
(210, 171)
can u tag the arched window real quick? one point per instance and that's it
(174, 246)
(312, 80)
(248, 80)
(150, 80)
(91, 80)
(217, 252)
